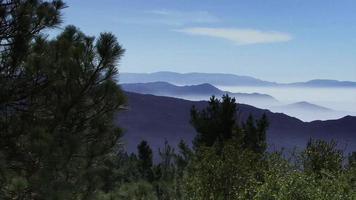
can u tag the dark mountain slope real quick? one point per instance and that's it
(156, 118)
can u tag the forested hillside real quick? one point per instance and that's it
(60, 137)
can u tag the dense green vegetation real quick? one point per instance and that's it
(58, 99)
(236, 166)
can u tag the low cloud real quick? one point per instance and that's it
(239, 36)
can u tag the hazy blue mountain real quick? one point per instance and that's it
(192, 79)
(199, 92)
(164, 88)
(156, 118)
(302, 110)
(220, 79)
(324, 83)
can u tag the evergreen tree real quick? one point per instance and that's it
(182, 160)
(250, 130)
(255, 134)
(216, 123)
(145, 162)
(165, 182)
(262, 126)
(21, 22)
(183, 157)
(57, 103)
(167, 156)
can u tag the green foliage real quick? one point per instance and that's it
(321, 156)
(230, 175)
(140, 190)
(58, 100)
(216, 123)
(352, 160)
(165, 173)
(145, 162)
(239, 167)
(255, 134)
(283, 182)
(20, 23)
(183, 157)
(167, 156)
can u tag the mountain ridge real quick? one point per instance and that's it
(168, 89)
(155, 118)
(223, 79)
(303, 110)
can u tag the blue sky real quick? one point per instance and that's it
(275, 40)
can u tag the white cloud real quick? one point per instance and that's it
(239, 36)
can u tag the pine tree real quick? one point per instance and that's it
(183, 157)
(255, 134)
(182, 160)
(57, 105)
(165, 175)
(20, 23)
(250, 133)
(262, 126)
(216, 123)
(167, 156)
(145, 161)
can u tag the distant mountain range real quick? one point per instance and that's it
(156, 118)
(302, 110)
(195, 92)
(323, 83)
(192, 79)
(219, 79)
